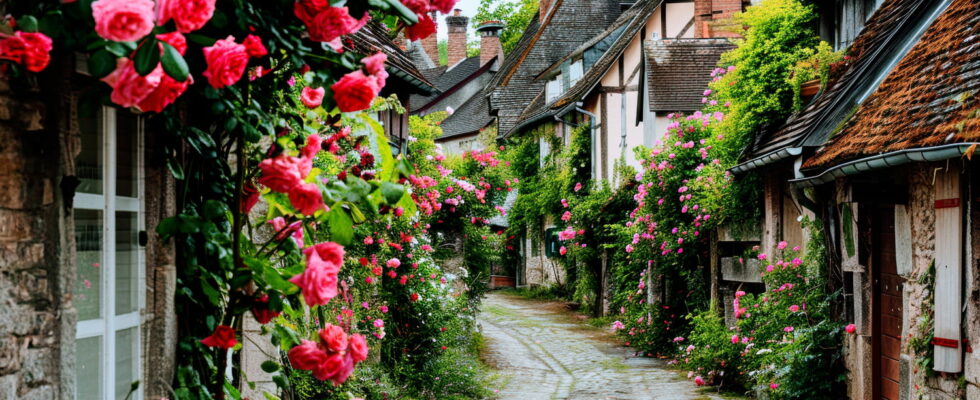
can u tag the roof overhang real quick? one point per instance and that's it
(766, 159)
(886, 160)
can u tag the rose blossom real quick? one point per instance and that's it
(355, 91)
(261, 311)
(128, 87)
(223, 337)
(357, 347)
(281, 173)
(306, 356)
(333, 339)
(326, 23)
(850, 328)
(254, 47)
(422, 29)
(226, 62)
(319, 281)
(188, 15)
(312, 98)
(443, 6)
(32, 50)
(123, 20)
(306, 198)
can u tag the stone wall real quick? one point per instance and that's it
(33, 312)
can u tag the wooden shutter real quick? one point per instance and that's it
(949, 272)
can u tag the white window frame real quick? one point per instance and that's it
(553, 89)
(108, 203)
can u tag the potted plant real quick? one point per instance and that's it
(813, 73)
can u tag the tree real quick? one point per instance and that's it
(515, 14)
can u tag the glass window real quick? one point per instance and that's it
(575, 72)
(553, 89)
(108, 221)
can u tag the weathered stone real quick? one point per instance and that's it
(17, 256)
(15, 226)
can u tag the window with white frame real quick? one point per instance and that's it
(108, 293)
(553, 88)
(575, 72)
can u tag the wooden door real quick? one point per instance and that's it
(886, 305)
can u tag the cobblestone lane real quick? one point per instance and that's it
(543, 353)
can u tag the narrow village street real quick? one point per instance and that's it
(542, 352)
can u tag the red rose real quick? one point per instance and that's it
(355, 91)
(312, 98)
(254, 47)
(306, 356)
(165, 93)
(357, 347)
(188, 15)
(314, 143)
(329, 252)
(226, 62)
(333, 339)
(223, 337)
(414, 297)
(306, 10)
(261, 311)
(422, 29)
(128, 87)
(37, 49)
(175, 39)
(281, 173)
(417, 6)
(250, 196)
(123, 20)
(318, 281)
(326, 23)
(306, 198)
(444, 6)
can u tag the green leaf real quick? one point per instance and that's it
(167, 227)
(174, 63)
(27, 23)
(392, 192)
(101, 63)
(341, 226)
(403, 12)
(270, 366)
(147, 57)
(214, 209)
(121, 49)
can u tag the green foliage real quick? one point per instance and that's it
(816, 66)
(515, 14)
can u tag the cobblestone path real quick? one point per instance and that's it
(543, 353)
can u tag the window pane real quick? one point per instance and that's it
(126, 359)
(88, 263)
(127, 261)
(88, 165)
(88, 368)
(127, 153)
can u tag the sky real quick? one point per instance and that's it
(469, 9)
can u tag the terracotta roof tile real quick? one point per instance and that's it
(931, 98)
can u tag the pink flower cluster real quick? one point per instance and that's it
(333, 358)
(318, 282)
(286, 174)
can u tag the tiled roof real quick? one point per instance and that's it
(632, 19)
(446, 78)
(419, 56)
(880, 36)
(678, 71)
(567, 25)
(929, 99)
(471, 116)
(373, 38)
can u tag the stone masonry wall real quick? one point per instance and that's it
(33, 316)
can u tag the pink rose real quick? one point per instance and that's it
(165, 93)
(375, 65)
(444, 6)
(314, 143)
(422, 29)
(319, 281)
(254, 47)
(306, 198)
(326, 23)
(306, 356)
(329, 252)
(417, 6)
(850, 328)
(312, 98)
(355, 91)
(123, 20)
(128, 87)
(175, 39)
(226, 62)
(280, 173)
(357, 347)
(188, 15)
(333, 339)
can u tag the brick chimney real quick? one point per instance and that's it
(431, 44)
(456, 48)
(709, 14)
(490, 46)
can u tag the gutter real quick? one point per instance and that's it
(886, 160)
(412, 80)
(766, 159)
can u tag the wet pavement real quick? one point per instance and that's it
(541, 351)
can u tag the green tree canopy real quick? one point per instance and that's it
(515, 14)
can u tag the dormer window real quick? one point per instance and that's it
(575, 72)
(553, 89)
